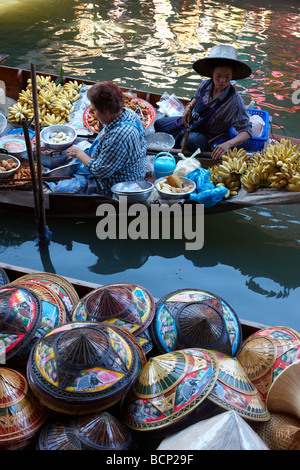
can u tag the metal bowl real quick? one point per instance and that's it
(160, 140)
(47, 131)
(9, 173)
(135, 191)
(165, 195)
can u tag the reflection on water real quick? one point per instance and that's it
(249, 256)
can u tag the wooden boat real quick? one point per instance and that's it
(85, 206)
(83, 287)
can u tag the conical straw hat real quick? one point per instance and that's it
(283, 395)
(222, 55)
(281, 432)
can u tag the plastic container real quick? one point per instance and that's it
(254, 144)
(164, 164)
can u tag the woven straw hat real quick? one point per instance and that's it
(222, 55)
(281, 432)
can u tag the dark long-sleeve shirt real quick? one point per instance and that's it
(232, 113)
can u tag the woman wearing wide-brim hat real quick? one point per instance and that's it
(215, 107)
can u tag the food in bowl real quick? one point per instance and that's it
(173, 184)
(59, 137)
(8, 165)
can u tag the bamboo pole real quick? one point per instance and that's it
(32, 171)
(187, 133)
(42, 229)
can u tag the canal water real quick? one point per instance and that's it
(250, 257)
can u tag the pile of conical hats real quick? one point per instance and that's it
(118, 363)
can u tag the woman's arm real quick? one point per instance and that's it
(76, 152)
(188, 111)
(222, 148)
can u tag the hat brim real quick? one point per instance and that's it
(205, 67)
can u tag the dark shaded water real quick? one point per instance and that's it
(250, 257)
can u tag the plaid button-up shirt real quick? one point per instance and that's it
(120, 154)
(232, 113)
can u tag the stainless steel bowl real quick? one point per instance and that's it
(9, 173)
(47, 131)
(135, 191)
(160, 140)
(165, 195)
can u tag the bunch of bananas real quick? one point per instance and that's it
(228, 173)
(276, 167)
(55, 102)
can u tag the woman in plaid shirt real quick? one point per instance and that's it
(119, 152)
(215, 107)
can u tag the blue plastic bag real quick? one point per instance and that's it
(206, 193)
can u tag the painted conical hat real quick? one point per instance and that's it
(233, 390)
(127, 305)
(195, 318)
(20, 317)
(267, 352)
(82, 367)
(99, 431)
(21, 414)
(60, 285)
(168, 388)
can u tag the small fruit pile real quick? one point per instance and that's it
(55, 102)
(276, 167)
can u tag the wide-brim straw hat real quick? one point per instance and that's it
(222, 55)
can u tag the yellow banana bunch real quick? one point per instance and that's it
(46, 97)
(25, 97)
(72, 86)
(235, 152)
(255, 177)
(53, 88)
(51, 119)
(228, 173)
(16, 113)
(55, 101)
(62, 108)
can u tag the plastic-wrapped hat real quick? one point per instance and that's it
(222, 55)
(100, 431)
(234, 391)
(60, 286)
(20, 317)
(168, 389)
(197, 319)
(82, 367)
(226, 431)
(268, 352)
(22, 415)
(127, 305)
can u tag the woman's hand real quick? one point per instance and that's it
(76, 152)
(186, 116)
(220, 150)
